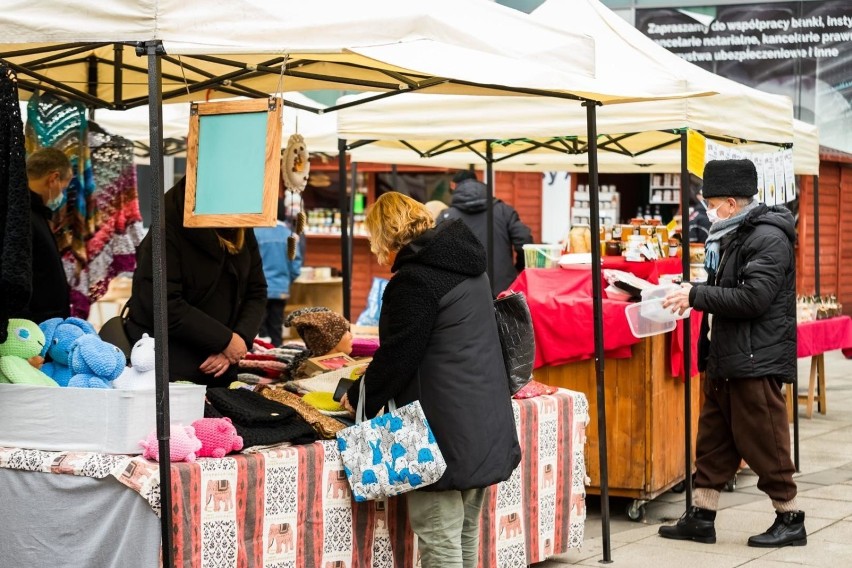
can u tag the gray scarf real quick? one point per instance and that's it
(718, 230)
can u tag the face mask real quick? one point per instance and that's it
(57, 202)
(713, 214)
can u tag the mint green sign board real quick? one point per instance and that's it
(231, 163)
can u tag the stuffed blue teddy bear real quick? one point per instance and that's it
(95, 363)
(60, 335)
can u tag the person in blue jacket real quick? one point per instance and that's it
(280, 272)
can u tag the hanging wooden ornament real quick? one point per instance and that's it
(292, 242)
(296, 167)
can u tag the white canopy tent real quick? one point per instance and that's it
(623, 53)
(238, 47)
(222, 48)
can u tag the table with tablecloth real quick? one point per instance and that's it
(291, 505)
(560, 302)
(814, 339)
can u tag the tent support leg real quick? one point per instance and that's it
(685, 192)
(597, 304)
(816, 236)
(351, 220)
(489, 210)
(154, 49)
(346, 267)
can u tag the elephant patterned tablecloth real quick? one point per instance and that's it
(292, 507)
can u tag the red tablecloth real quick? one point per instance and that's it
(561, 306)
(816, 337)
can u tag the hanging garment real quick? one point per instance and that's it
(15, 230)
(114, 214)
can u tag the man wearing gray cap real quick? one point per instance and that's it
(747, 348)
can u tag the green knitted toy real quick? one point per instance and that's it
(25, 341)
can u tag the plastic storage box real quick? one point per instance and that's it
(542, 256)
(643, 326)
(109, 421)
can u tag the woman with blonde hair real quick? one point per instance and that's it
(439, 344)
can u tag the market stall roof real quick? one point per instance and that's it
(222, 48)
(737, 111)
(806, 155)
(319, 130)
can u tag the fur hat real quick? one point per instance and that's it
(320, 328)
(730, 178)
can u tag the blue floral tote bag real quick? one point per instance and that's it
(390, 454)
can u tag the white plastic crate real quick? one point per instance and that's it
(109, 421)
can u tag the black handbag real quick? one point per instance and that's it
(114, 332)
(515, 328)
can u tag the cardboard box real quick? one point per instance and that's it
(109, 421)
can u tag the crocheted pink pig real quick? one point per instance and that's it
(218, 437)
(183, 444)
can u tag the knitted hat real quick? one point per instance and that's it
(320, 328)
(730, 178)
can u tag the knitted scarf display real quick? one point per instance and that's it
(15, 229)
(114, 211)
(718, 230)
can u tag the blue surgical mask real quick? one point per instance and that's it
(57, 202)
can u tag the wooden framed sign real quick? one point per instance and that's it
(233, 163)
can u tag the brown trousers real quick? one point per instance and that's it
(745, 419)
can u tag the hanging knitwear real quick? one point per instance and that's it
(15, 229)
(55, 123)
(114, 213)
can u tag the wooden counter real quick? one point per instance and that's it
(645, 418)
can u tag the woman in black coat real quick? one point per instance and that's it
(216, 295)
(439, 344)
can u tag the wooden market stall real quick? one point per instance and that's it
(644, 388)
(645, 430)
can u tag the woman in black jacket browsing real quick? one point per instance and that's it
(216, 296)
(439, 345)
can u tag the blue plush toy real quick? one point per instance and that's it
(95, 363)
(60, 335)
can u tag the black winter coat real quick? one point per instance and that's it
(439, 344)
(211, 294)
(510, 234)
(50, 296)
(753, 301)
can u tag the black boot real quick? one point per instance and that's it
(787, 530)
(695, 524)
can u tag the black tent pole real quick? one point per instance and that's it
(816, 235)
(489, 209)
(597, 306)
(350, 249)
(346, 267)
(685, 193)
(154, 49)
